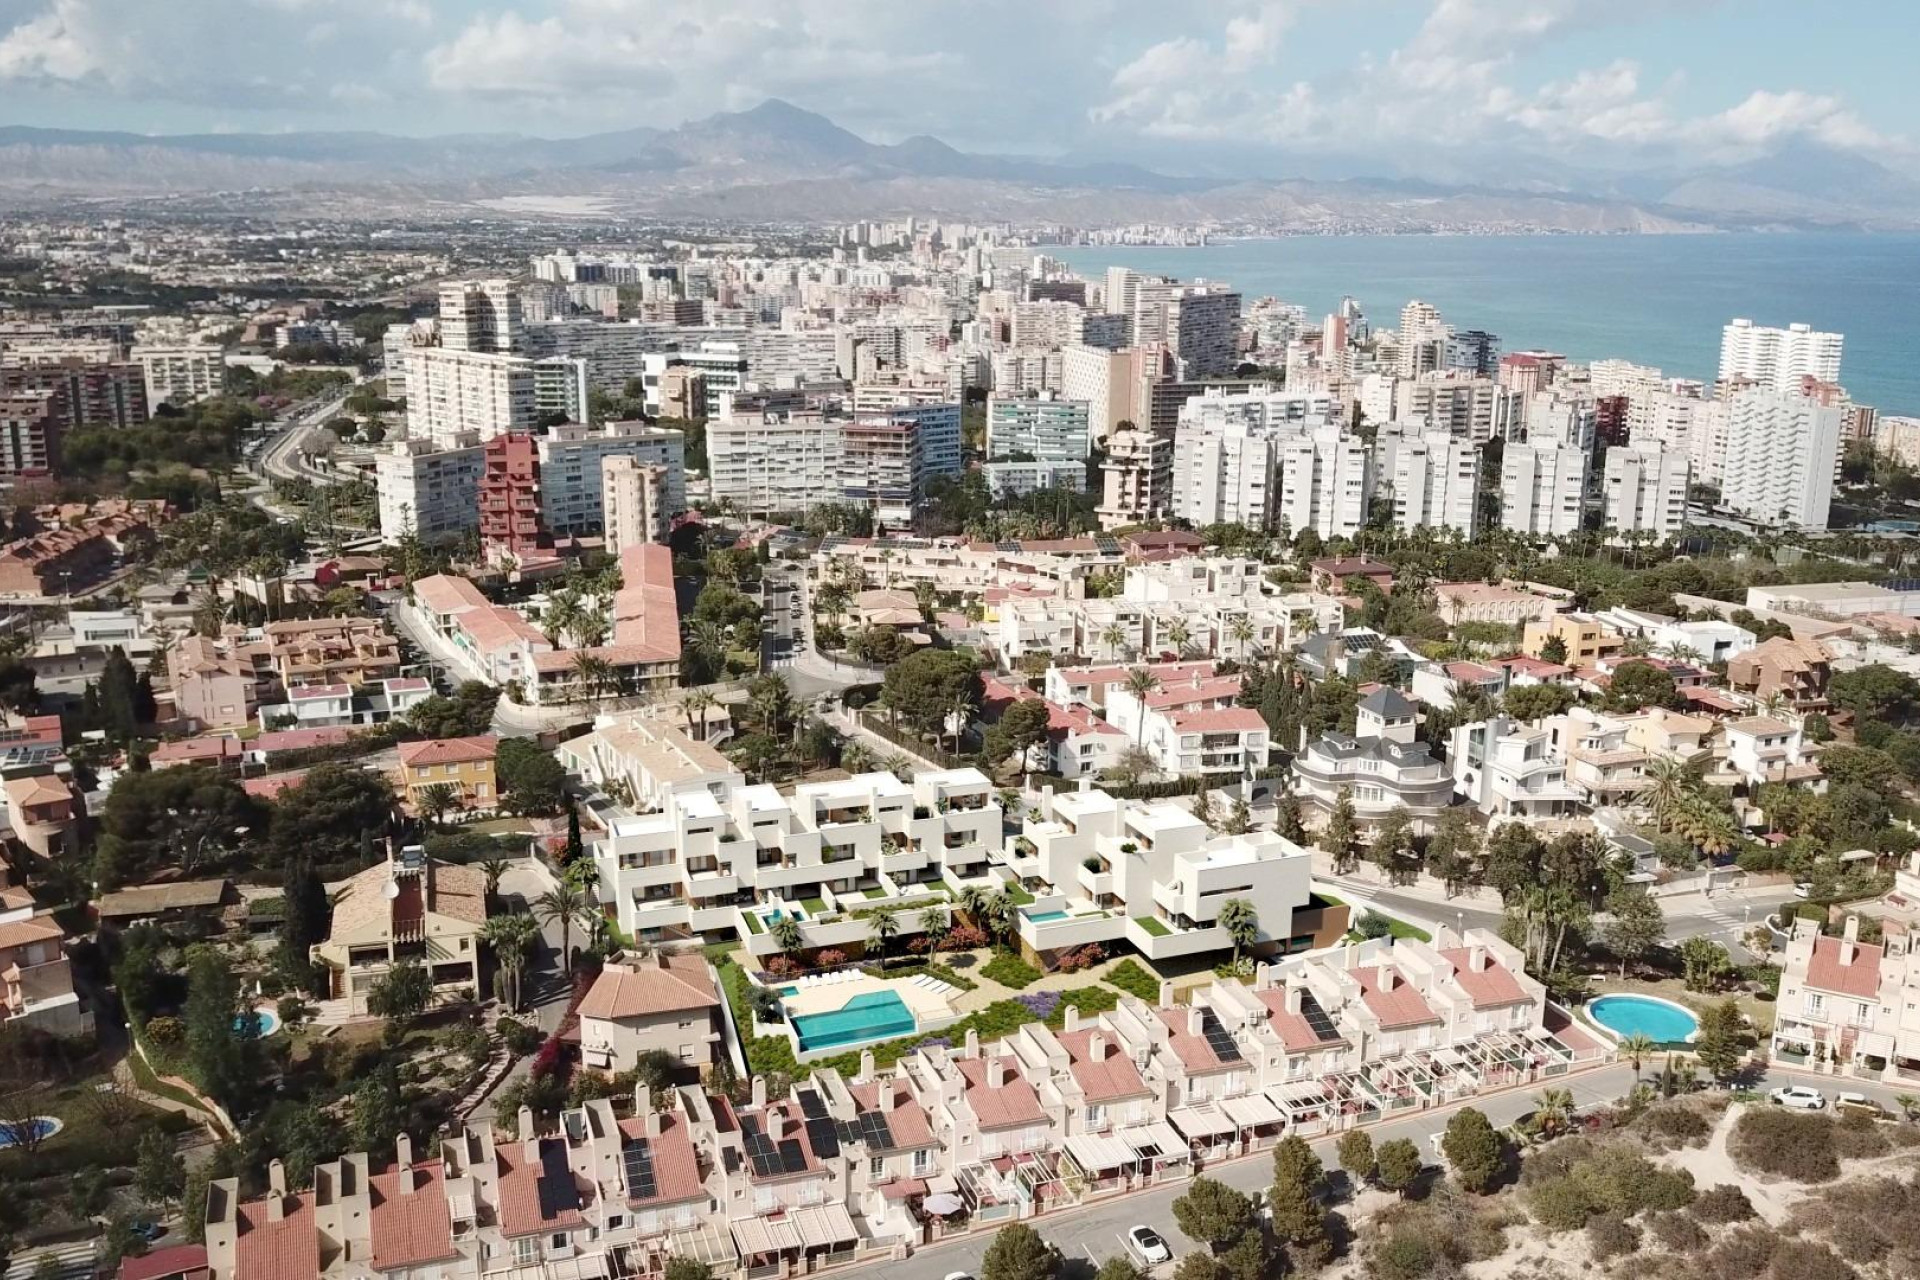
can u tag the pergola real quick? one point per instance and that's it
(1158, 1148)
(1207, 1129)
(1305, 1102)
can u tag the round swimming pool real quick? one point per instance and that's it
(34, 1129)
(260, 1023)
(1659, 1020)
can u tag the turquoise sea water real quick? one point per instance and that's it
(1658, 300)
(1659, 1020)
(877, 1015)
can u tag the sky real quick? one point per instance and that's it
(1599, 82)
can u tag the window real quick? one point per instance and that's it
(876, 1167)
(1816, 1004)
(526, 1251)
(615, 1222)
(559, 1240)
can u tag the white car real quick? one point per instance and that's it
(959, 1275)
(1148, 1246)
(1799, 1097)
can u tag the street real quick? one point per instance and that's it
(1094, 1231)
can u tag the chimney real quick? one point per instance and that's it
(642, 1099)
(1477, 958)
(1166, 994)
(1196, 677)
(996, 1072)
(1196, 1020)
(972, 1049)
(774, 1122)
(403, 1157)
(1262, 976)
(1097, 1047)
(1850, 940)
(1386, 977)
(1073, 1018)
(889, 1094)
(759, 1092)
(276, 1191)
(1296, 999)
(653, 1124)
(866, 1064)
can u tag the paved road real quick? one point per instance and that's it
(1095, 1230)
(544, 983)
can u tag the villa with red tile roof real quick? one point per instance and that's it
(1850, 1003)
(655, 1001)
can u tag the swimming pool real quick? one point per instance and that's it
(877, 1015)
(1659, 1020)
(1041, 917)
(33, 1129)
(259, 1022)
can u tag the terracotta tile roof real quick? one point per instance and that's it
(1105, 1079)
(180, 1259)
(676, 1166)
(1184, 693)
(999, 694)
(1219, 720)
(310, 692)
(300, 739)
(1295, 1032)
(197, 749)
(1012, 1103)
(1470, 672)
(1403, 1006)
(1166, 672)
(536, 1195)
(1826, 971)
(646, 613)
(1194, 1052)
(1492, 985)
(677, 983)
(907, 1121)
(39, 788)
(285, 1250)
(410, 1228)
(269, 786)
(21, 933)
(444, 593)
(448, 750)
(1757, 726)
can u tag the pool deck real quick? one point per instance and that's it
(927, 1006)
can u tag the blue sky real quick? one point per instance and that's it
(1599, 82)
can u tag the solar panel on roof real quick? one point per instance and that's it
(558, 1191)
(1219, 1039)
(825, 1141)
(1106, 546)
(640, 1181)
(1006, 546)
(874, 1131)
(1318, 1021)
(810, 1105)
(760, 1149)
(793, 1158)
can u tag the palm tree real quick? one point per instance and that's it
(1636, 1049)
(436, 799)
(976, 902)
(1553, 1111)
(1000, 911)
(1669, 783)
(855, 758)
(1908, 1103)
(494, 867)
(786, 935)
(1241, 630)
(562, 615)
(1242, 923)
(1140, 682)
(1179, 635)
(1113, 637)
(696, 704)
(594, 673)
(567, 904)
(883, 926)
(511, 937)
(898, 765)
(959, 713)
(933, 922)
(709, 640)
(590, 629)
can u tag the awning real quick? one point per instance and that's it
(1156, 1139)
(1202, 1121)
(1877, 1043)
(1096, 1152)
(942, 1184)
(1251, 1110)
(761, 1237)
(943, 1203)
(901, 1188)
(822, 1226)
(708, 1243)
(1302, 1095)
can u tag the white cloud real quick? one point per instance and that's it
(63, 43)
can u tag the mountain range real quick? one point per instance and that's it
(778, 162)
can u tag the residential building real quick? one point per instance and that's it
(1434, 479)
(655, 1002)
(572, 483)
(56, 562)
(1845, 1003)
(1078, 743)
(427, 491)
(481, 315)
(1107, 382)
(1543, 487)
(463, 764)
(648, 759)
(456, 396)
(1044, 428)
(1225, 475)
(1763, 749)
(1202, 329)
(1644, 490)
(1781, 451)
(1423, 336)
(1777, 359)
(1459, 602)
(1380, 767)
(87, 392)
(1474, 409)
(510, 499)
(36, 980)
(1194, 726)
(721, 367)
(180, 375)
(1326, 482)
(765, 465)
(635, 505)
(1017, 479)
(1584, 636)
(1795, 671)
(29, 434)
(1707, 641)
(37, 792)
(1508, 769)
(889, 455)
(409, 907)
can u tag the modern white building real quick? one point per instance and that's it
(1017, 479)
(1644, 489)
(1777, 359)
(1781, 450)
(1435, 479)
(434, 493)
(1423, 339)
(634, 502)
(180, 375)
(1543, 486)
(572, 482)
(769, 464)
(1474, 408)
(1045, 428)
(1105, 381)
(720, 364)
(1224, 474)
(481, 315)
(451, 393)
(1326, 481)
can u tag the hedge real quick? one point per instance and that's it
(1135, 981)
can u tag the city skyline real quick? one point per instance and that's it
(1466, 87)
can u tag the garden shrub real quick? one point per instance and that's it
(1610, 1235)
(1676, 1232)
(1807, 1260)
(1405, 1254)
(1722, 1203)
(1857, 1240)
(1858, 1136)
(1742, 1254)
(1010, 971)
(1678, 1122)
(1135, 981)
(1786, 1144)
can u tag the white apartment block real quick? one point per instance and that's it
(1423, 339)
(1542, 487)
(1644, 489)
(1506, 768)
(1103, 380)
(180, 375)
(1553, 415)
(615, 354)
(1224, 474)
(1777, 359)
(1203, 329)
(1047, 326)
(1898, 437)
(1781, 451)
(481, 315)
(434, 493)
(1043, 427)
(1018, 479)
(634, 502)
(451, 393)
(1326, 481)
(722, 366)
(572, 482)
(1473, 408)
(1435, 477)
(772, 464)
(1136, 478)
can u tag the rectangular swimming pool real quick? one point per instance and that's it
(1042, 917)
(877, 1015)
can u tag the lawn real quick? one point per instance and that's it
(753, 921)
(1759, 1012)
(1153, 926)
(1134, 980)
(1020, 897)
(1397, 929)
(813, 906)
(1010, 971)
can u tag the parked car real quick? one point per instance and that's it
(1799, 1097)
(1803, 889)
(1859, 1102)
(1147, 1245)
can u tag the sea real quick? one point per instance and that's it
(1653, 299)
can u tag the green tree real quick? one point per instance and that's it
(1399, 1164)
(1475, 1152)
(1340, 837)
(1554, 650)
(1874, 692)
(1454, 849)
(1533, 701)
(1392, 848)
(1018, 1253)
(304, 899)
(468, 713)
(402, 993)
(570, 905)
(226, 1063)
(159, 1175)
(1242, 923)
(1636, 1049)
(511, 937)
(379, 1110)
(323, 817)
(924, 687)
(1214, 1213)
(682, 1268)
(1120, 1267)
(1513, 858)
(1021, 727)
(1239, 819)
(186, 817)
(1637, 926)
(532, 782)
(1356, 1155)
(1703, 963)
(436, 800)
(1299, 1221)
(883, 926)
(1637, 685)
(1721, 1043)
